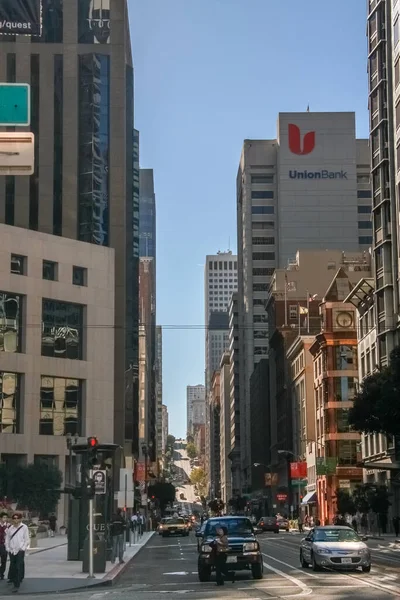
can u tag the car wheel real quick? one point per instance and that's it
(257, 571)
(303, 562)
(204, 574)
(366, 569)
(314, 564)
(277, 531)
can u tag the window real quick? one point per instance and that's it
(260, 319)
(262, 210)
(10, 403)
(60, 406)
(18, 264)
(261, 272)
(346, 452)
(263, 255)
(260, 287)
(364, 194)
(62, 329)
(10, 322)
(293, 311)
(49, 270)
(262, 194)
(258, 302)
(364, 210)
(79, 275)
(35, 122)
(365, 240)
(397, 73)
(364, 224)
(210, 265)
(344, 389)
(52, 16)
(396, 32)
(262, 179)
(345, 357)
(365, 178)
(263, 241)
(263, 225)
(58, 143)
(94, 145)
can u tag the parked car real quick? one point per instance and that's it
(335, 547)
(244, 550)
(268, 524)
(283, 523)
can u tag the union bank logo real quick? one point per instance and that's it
(296, 145)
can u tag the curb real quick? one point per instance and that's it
(32, 551)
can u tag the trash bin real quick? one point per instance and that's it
(99, 555)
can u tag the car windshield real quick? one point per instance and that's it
(335, 535)
(176, 522)
(234, 526)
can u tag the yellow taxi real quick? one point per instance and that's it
(173, 526)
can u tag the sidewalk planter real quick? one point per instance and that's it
(63, 530)
(32, 537)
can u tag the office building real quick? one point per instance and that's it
(159, 392)
(164, 430)
(147, 211)
(195, 396)
(225, 428)
(81, 76)
(260, 439)
(235, 420)
(56, 347)
(213, 452)
(306, 189)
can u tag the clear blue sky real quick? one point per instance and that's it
(210, 74)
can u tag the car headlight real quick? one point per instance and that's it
(323, 551)
(161, 527)
(206, 548)
(363, 551)
(250, 547)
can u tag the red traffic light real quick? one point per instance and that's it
(92, 442)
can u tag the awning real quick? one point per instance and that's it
(310, 498)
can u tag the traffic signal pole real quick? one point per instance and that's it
(91, 539)
(92, 456)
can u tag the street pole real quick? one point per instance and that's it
(91, 539)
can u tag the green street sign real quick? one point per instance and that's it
(15, 105)
(326, 465)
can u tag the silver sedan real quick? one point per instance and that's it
(335, 547)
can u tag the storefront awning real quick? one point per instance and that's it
(310, 498)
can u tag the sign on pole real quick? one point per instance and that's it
(17, 153)
(21, 17)
(15, 104)
(100, 478)
(125, 500)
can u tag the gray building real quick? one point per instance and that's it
(81, 76)
(307, 189)
(147, 210)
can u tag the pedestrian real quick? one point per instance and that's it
(354, 524)
(317, 523)
(118, 528)
(300, 523)
(4, 525)
(396, 525)
(220, 546)
(17, 543)
(52, 523)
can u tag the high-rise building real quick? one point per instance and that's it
(159, 392)
(81, 76)
(195, 397)
(235, 421)
(225, 429)
(147, 209)
(308, 188)
(164, 428)
(384, 116)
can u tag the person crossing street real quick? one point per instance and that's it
(17, 543)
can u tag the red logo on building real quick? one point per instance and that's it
(295, 140)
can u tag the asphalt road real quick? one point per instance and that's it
(168, 568)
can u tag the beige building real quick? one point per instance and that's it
(225, 428)
(56, 346)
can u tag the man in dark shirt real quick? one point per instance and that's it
(4, 524)
(117, 530)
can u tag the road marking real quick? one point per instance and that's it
(177, 573)
(306, 591)
(291, 566)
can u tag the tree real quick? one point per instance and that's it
(189, 438)
(36, 487)
(216, 505)
(360, 499)
(191, 450)
(198, 477)
(238, 503)
(345, 503)
(170, 441)
(376, 408)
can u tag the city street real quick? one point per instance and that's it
(168, 567)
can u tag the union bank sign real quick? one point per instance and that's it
(323, 174)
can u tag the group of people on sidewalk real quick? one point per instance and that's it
(118, 529)
(14, 542)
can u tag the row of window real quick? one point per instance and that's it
(62, 327)
(263, 255)
(219, 265)
(60, 405)
(19, 266)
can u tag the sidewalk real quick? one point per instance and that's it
(49, 571)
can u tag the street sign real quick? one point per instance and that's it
(17, 153)
(15, 104)
(100, 478)
(125, 499)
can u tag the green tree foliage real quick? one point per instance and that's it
(191, 450)
(35, 487)
(345, 502)
(360, 499)
(216, 505)
(163, 492)
(198, 477)
(376, 407)
(189, 438)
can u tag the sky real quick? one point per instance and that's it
(209, 74)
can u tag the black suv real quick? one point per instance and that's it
(244, 550)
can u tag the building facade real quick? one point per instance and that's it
(224, 428)
(165, 427)
(195, 397)
(56, 347)
(159, 393)
(147, 211)
(235, 420)
(306, 189)
(81, 76)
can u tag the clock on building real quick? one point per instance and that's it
(344, 319)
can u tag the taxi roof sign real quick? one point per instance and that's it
(15, 104)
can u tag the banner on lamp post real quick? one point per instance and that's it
(21, 17)
(270, 479)
(298, 470)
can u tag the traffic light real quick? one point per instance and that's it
(89, 489)
(93, 459)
